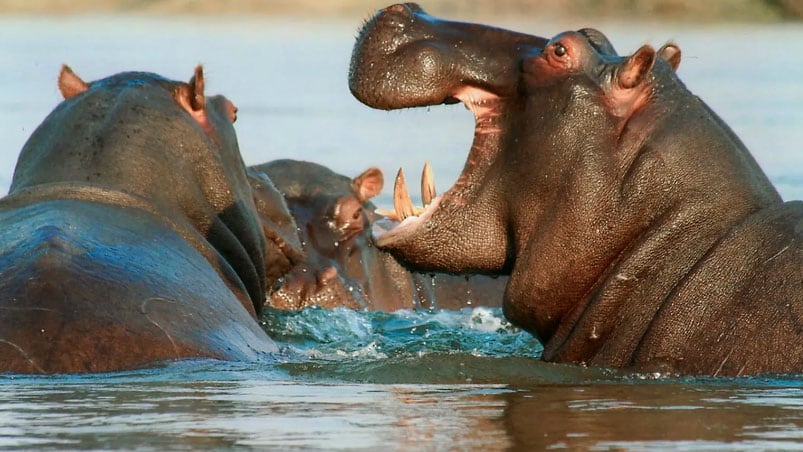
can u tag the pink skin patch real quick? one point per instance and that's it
(562, 55)
(483, 104)
(388, 227)
(565, 53)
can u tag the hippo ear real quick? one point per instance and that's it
(670, 52)
(636, 68)
(368, 184)
(197, 100)
(191, 95)
(70, 84)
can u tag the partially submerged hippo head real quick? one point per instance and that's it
(215, 196)
(597, 181)
(341, 266)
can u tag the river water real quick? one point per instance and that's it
(405, 380)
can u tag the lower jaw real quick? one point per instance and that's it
(388, 231)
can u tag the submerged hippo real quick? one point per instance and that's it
(129, 235)
(637, 229)
(341, 266)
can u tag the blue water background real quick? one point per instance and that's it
(405, 380)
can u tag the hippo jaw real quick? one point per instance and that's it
(403, 57)
(406, 58)
(458, 220)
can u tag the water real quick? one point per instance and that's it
(405, 380)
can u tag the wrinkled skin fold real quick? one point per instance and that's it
(129, 235)
(637, 230)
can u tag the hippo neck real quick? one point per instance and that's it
(670, 218)
(103, 195)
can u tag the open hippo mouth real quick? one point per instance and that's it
(406, 58)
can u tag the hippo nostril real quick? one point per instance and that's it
(327, 275)
(404, 9)
(397, 8)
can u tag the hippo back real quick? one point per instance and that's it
(90, 287)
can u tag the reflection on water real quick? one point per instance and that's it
(246, 407)
(656, 416)
(429, 380)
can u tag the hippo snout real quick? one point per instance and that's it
(404, 57)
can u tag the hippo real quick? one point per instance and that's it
(341, 266)
(638, 231)
(129, 235)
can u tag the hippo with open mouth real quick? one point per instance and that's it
(638, 231)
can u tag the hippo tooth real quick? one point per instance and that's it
(427, 185)
(401, 198)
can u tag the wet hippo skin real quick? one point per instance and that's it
(129, 235)
(638, 231)
(341, 266)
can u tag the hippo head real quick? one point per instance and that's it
(404, 57)
(341, 266)
(549, 116)
(170, 145)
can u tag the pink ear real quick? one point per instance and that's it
(191, 96)
(197, 100)
(70, 84)
(671, 53)
(636, 68)
(368, 184)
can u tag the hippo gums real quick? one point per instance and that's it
(341, 267)
(637, 230)
(129, 235)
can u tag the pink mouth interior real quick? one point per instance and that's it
(483, 104)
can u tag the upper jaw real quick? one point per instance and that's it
(405, 58)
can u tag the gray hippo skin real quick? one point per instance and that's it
(341, 266)
(637, 230)
(129, 235)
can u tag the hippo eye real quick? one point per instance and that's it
(559, 50)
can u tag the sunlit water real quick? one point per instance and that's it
(404, 380)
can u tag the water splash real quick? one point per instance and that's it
(434, 346)
(340, 332)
